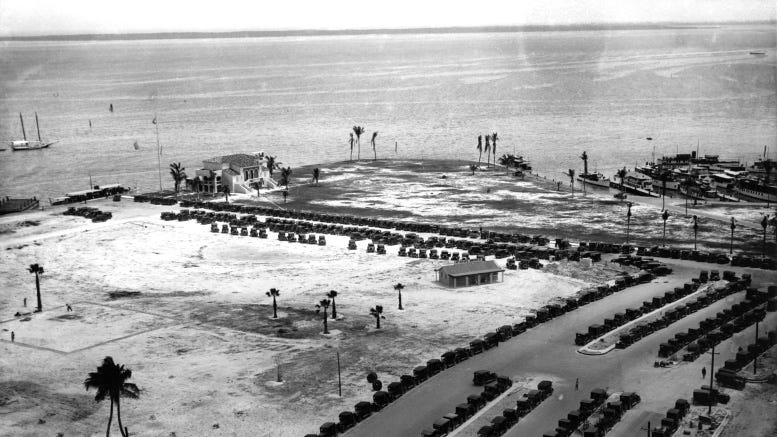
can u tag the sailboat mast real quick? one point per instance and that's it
(24, 134)
(37, 126)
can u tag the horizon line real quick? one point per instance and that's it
(372, 31)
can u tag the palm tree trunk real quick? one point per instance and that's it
(359, 148)
(326, 328)
(274, 308)
(400, 302)
(480, 156)
(110, 419)
(378, 319)
(37, 288)
(118, 417)
(334, 310)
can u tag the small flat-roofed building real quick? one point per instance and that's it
(469, 273)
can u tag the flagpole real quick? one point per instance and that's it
(158, 153)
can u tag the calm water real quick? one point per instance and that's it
(549, 95)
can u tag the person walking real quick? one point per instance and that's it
(69, 308)
(577, 384)
(703, 372)
(13, 336)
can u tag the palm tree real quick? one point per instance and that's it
(358, 130)
(377, 312)
(572, 180)
(351, 141)
(493, 147)
(110, 380)
(178, 173)
(374, 134)
(332, 295)
(274, 292)
(622, 175)
(316, 174)
(695, 230)
(271, 164)
(488, 150)
(225, 189)
(285, 173)
(38, 270)
(480, 149)
(664, 216)
(399, 287)
(473, 167)
(323, 305)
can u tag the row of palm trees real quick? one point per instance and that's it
(359, 130)
(489, 149)
(324, 304)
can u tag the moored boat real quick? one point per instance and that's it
(26, 144)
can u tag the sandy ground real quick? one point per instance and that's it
(186, 310)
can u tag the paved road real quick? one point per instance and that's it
(549, 351)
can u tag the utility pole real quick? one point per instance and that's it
(339, 380)
(158, 153)
(664, 216)
(712, 372)
(755, 359)
(764, 223)
(628, 222)
(695, 230)
(731, 247)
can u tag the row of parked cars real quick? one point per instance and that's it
(499, 425)
(739, 260)
(94, 214)
(155, 200)
(600, 414)
(714, 330)
(671, 421)
(728, 376)
(621, 318)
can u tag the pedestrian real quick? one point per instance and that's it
(69, 308)
(577, 384)
(703, 372)
(25, 302)
(13, 336)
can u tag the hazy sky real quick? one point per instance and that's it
(37, 17)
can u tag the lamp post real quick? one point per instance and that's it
(764, 223)
(695, 230)
(712, 372)
(731, 247)
(628, 222)
(664, 216)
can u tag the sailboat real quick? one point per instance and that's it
(26, 144)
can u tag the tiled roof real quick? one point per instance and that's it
(231, 172)
(471, 268)
(240, 160)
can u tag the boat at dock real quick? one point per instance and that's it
(756, 190)
(596, 179)
(26, 144)
(635, 183)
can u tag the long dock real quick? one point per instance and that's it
(9, 206)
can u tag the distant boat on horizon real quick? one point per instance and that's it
(758, 53)
(26, 144)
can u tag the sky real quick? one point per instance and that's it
(49, 17)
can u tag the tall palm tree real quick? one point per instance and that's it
(178, 173)
(274, 292)
(375, 153)
(488, 150)
(493, 145)
(285, 173)
(572, 180)
(628, 222)
(377, 312)
(399, 287)
(358, 130)
(622, 175)
(472, 168)
(664, 216)
(316, 174)
(507, 161)
(332, 295)
(38, 270)
(110, 380)
(351, 141)
(323, 305)
(480, 149)
(271, 164)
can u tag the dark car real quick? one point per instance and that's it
(483, 377)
